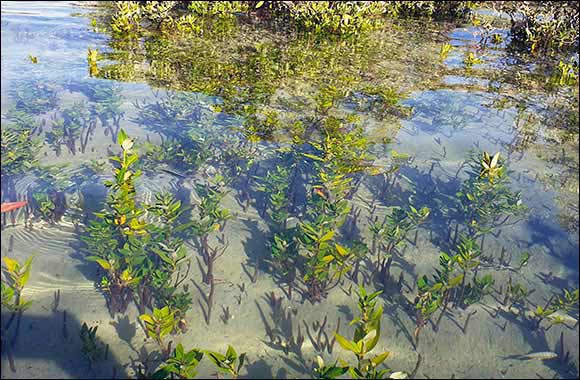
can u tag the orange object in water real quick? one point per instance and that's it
(9, 206)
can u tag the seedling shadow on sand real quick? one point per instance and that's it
(50, 341)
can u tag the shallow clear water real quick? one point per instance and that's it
(444, 111)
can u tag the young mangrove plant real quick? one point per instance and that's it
(141, 259)
(159, 324)
(180, 365)
(15, 277)
(444, 50)
(565, 74)
(74, 126)
(470, 59)
(211, 218)
(365, 338)
(389, 236)
(276, 187)
(48, 193)
(19, 154)
(340, 159)
(91, 347)
(566, 303)
(113, 239)
(485, 201)
(34, 98)
(230, 363)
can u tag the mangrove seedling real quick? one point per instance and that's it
(230, 363)
(435, 293)
(515, 294)
(159, 324)
(470, 59)
(332, 371)
(16, 275)
(485, 201)
(180, 364)
(366, 337)
(566, 302)
(92, 349)
(390, 236)
(444, 50)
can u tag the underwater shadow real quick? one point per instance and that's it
(56, 338)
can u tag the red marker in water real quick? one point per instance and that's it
(9, 206)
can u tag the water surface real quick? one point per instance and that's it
(170, 89)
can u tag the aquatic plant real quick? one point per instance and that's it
(211, 218)
(107, 238)
(382, 101)
(485, 201)
(33, 97)
(567, 302)
(92, 56)
(455, 282)
(324, 18)
(327, 261)
(448, 10)
(105, 105)
(91, 347)
(516, 294)
(332, 371)
(76, 124)
(45, 206)
(48, 193)
(565, 74)
(432, 294)
(444, 50)
(230, 362)
(276, 186)
(365, 338)
(127, 17)
(159, 324)
(470, 59)
(389, 236)
(15, 277)
(141, 259)
(19, 151)
(261, 126)
(180, 364)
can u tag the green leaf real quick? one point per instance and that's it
(341, 250)
(163, 256)
(231, 354)
(524, 258)
(11, 265)
(375, 339)
(241, 361)
(345, 343)
(122, 136)
(259, 4)
(334, 372)
(328, 236)
(455, 281)
(313, 157)
(104, 263)
(377, 360)
(26, 273)
(147, 319)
